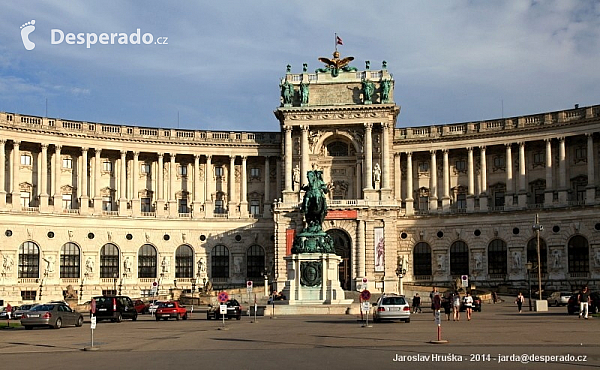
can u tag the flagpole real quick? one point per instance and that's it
(335, 40)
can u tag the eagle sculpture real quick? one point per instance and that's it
(336, 64)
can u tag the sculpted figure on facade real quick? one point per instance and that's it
(377, 173)
(303, 93)
(296, 177)
(201, 266)
(127, 266)
(164, 265)
(385, 90)
(597, 257)
(287, 92)
(557, 256)
(516, 263)
(368, 90)
(89, 266)
(441, 262)
(478, 261)
(7, 263)
(49, 264)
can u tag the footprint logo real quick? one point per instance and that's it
(26, 30)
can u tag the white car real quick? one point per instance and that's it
(391, 307)
(559, 298)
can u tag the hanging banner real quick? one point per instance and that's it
(289, 240)
(379, 242)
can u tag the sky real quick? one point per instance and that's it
(217, 65)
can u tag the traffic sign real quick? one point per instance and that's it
(365, 280)
(93, 306)
(155, 283)
(365, 306)
(223, 297)
(365, 295)
(249, 284)
(93, 322)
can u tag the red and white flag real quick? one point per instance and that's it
(338, 40)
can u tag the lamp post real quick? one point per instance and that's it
(193, 286)
(115, 282)
(400, 272)
(537, 227)
(266, 276)
(81, 290)
(41, 287)
(204, 283)
(120, 285)
(529, 266)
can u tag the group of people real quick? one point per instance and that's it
(451, 302)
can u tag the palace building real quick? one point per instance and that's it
(119, 209)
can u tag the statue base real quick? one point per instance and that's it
(313, 278)
(313, 242)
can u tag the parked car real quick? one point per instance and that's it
(139, 306)
(234, 309)
(4, 313)
(22, 309)
(391, 307)
(171, 309)
(559, 298)
(476, 304)
(573, 305)
(54, 315)
(115, 308)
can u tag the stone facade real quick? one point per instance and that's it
(116, 208)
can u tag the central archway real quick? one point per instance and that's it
(342, 243)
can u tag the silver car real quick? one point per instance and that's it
(54, 315)
(391, 307)
(559, 298)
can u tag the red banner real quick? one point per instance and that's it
(289, 241)
(341, 215)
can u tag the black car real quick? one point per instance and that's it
(115, 308)
(233, 310)
(573, 305)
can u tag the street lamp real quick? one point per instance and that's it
(115, 282)
(537, 227)
(120, 285)
(266, 276)
(193, 286)
(400, 272)
(529, 267)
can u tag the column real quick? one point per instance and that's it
(97, 195)
(385, 153)
(590, 192)
(231, 188)
(197, 201)
(433, 191)
(483, 195)
(15, 190)
(549, 192)
(360, 250)
(287, 169)
(267, 198)
(209, 180)
(160, 181)
(510, 188)
(522, 178)
(471, 176)
(304, 154)
(398, 177)
(244, 188)
(85, 199)
(563, 190)
(123, 183)
(358, 180)
(2, 173)
(409, 185)
(135, 196)
(57, 167)
(446, 179)
(173, 211)
(368, 148)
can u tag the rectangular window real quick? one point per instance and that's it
(145, 205)
(107, 204)
(580, 154)
(538, 158)
(25, 160)
(107, 166)
(219, 171)
(67, 200)
(461, 165)
(109, 292)
(28, 295)
(182, 170)
(145, 168)
(67, 163)
(219, 206)
(423, 203)
(423, 166)
(499, 199)
(461, 201)
(183, 206)
(255, 173)
(25, 199)
(255, 207)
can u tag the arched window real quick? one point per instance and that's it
(532, 253)
(184, 262)
(497, 258)
(579, 254)
(147, 262)
(459, 258)
(219, 262)
(109, 261)
(422, 259)
(255, 261)
(29, 260)
(337, 149)
(69, 261)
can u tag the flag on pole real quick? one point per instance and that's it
(338, 40)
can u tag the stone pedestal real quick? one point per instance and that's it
(313, 278)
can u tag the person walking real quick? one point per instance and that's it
(584, 302)
(519, 301)
(456, 306)
(468, 300)
(436, 302)
(416, 303)
(447, 304)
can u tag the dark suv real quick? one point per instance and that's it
(115, 308)
(234, 309)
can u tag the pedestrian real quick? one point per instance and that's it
(468, 301)
(436, 303)
(495, 296)
(456, 305)
(519, 301)
(447, 304)
(583, 298)
(416, 303)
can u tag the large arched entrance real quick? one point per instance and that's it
(341, 242)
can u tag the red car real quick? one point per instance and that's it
(170, 309)
(139, 306)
